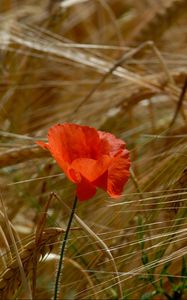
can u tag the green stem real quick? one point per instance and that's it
(63, 250)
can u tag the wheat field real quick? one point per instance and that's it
(121, 67)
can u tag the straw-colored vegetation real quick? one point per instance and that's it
(121, 67)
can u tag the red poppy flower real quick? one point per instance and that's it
(90, 158)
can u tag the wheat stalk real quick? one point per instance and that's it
(10, 277)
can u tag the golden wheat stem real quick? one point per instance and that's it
(23, 276)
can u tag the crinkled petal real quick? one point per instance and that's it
(89, 168)
(72, 141)
(85, 190)
(74, 175)
(118, 174)
(110, 144)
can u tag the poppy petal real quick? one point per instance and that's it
(54, 148)
(91, 169)
(118, 174)
(110, 144)
(72, 141)
(85, 190)
(74, 175)
(101, 182)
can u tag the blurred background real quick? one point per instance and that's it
(119, 66)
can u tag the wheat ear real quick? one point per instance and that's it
(10, 278)
(160, 21)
